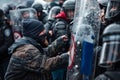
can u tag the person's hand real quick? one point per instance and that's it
(65, 38)
(50, 32)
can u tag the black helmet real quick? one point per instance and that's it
(69, 5)
(102, 4)
(110, 53)
(21, 6)
(113, 10)
(53, 12)
(29, 3)
(38, 7)
(8, 7)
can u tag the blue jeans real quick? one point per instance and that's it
(59, 74)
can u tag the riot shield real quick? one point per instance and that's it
(15, 2)
(85, 36)
(17, 16)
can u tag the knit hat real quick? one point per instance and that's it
(32, 28)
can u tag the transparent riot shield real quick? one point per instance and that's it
(14, 2)
(85, 38)
(28, 13)
(17, 16)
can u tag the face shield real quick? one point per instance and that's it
(70, 14)
(53, 12)
(16, 18)
(113, 9)
(110, 51)
(28, 13)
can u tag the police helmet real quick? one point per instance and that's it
(38, 7)
(69, 5)
(113, 10)
(53, 12)
(110, 53)
(21, 6)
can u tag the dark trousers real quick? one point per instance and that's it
(59, 74)
(3, 67)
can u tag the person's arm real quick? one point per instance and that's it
(29, 58)
(54, 48)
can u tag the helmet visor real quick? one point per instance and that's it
(113, 9)
(53, 12)
(110, 53)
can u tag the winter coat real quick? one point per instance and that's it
(29, 61)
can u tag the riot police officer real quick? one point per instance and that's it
(110, 57)
(61, 26)
(63, 19)
(6, 39)
(51, 18)
(42, 16)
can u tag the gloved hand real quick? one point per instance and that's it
(60, 45)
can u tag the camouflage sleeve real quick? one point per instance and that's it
(31, 59)
(56, 47)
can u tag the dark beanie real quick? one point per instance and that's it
(32, 28)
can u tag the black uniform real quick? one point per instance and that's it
(6, 39)
(110, 54)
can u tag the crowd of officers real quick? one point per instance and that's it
(42, 52)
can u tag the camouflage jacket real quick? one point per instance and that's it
(30, 63)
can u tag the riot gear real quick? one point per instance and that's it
(60, 29)
(113, 10)
(38, 7)
(103, 3)
(29, 3)
(21, 6)
(7, 8)
(53, 12)
(52, 4)
(110, 57)
(85, 36)
(42, 16)
(17, 16)
(68, 8)
(111, 44)
(68, 5)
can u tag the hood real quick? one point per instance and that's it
(62, 15)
